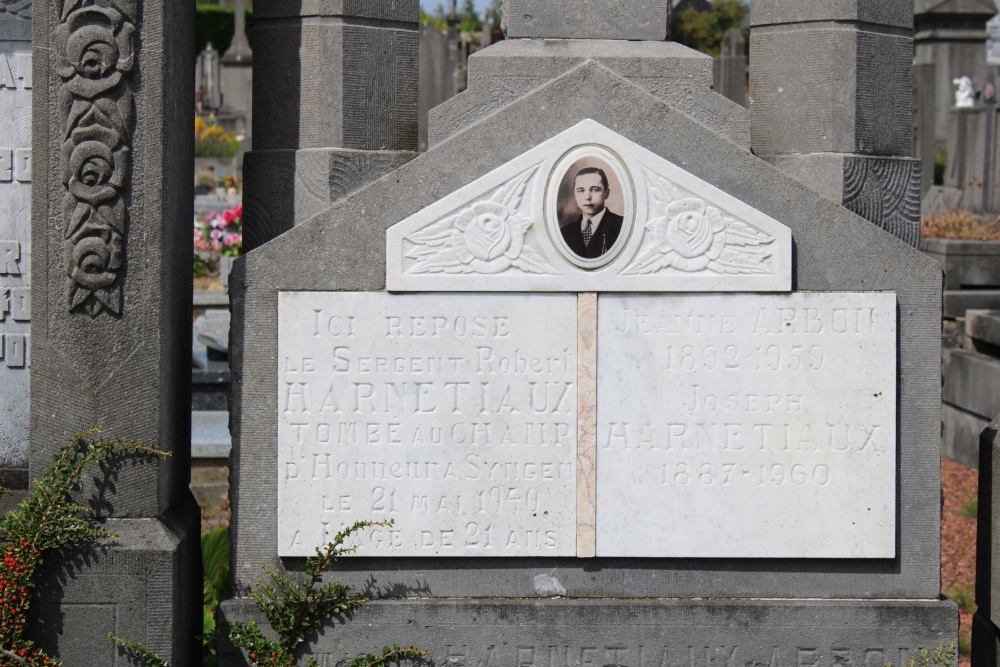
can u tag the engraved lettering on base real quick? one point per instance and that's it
(747, 426)
(454, 414)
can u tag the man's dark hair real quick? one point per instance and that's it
(593, 170)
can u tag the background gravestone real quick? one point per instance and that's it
(15, 239)
(111, 300)
(410, 231)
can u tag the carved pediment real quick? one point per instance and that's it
(589, 210)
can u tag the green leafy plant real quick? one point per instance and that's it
(294, 609)
(970, 507)
(215, 565)
(48, 519)
(964, 597)
(704, 30)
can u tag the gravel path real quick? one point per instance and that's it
(958, 541)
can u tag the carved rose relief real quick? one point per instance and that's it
(690, 235)
(95, 49)
(486, 237)
(96, 162)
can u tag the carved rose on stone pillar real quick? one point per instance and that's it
(96, 261)
(95, 50)
(95, 58)
(96, 161)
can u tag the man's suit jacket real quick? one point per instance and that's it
(605, 236)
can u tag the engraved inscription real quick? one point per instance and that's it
(762, 426)
(454, 415)
(15, 165)
(10, 258)
(648, 654)
(15, 302)
(14, 350)
(15, 71)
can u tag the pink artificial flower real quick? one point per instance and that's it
(238, 211)
(215, 246)
(233, 239)
(216, 234)
(228, 217)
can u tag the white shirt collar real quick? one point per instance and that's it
(596, 220)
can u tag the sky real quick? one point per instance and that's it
(429, 5)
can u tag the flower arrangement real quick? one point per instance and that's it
(211, 140)
(217, 235)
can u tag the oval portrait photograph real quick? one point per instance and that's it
(590, 202)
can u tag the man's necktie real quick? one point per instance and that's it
(588, 233)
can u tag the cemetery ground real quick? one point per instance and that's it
(958, 543)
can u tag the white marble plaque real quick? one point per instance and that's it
(453, 414)
(659, 228)
(747, 426)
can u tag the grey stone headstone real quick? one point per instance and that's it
(15, 240)
(343, 249)
(111, 300)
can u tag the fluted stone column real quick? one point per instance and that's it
(335, 105)
(831, 84)
(111, 304)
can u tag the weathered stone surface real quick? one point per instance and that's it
(971, 382)
(582, 19)
(343, 249)
(680, 76)
(826, 90)
(895, 13)
(638, 633)
(983, 326)
(353, 83)
(15, 241)
(285, 187)
(966, 264)
(113, 346)
(960, 435)
(383, 10)
(985, 639)
(957, 302)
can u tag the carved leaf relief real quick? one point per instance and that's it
(688, 234)
(489, 236)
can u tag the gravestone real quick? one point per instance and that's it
(731, 67)
(111, 300)
(15, 239)
(985, 633)
(702, 430)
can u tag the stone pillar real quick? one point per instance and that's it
(335, 106)
(952, 37)
(985, 632)
(832, 94)
(15, 239)
(111, 300)
(731, 68)
(924, 121)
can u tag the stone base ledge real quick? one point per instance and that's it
(635, 633)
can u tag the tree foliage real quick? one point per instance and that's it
(703, 30)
